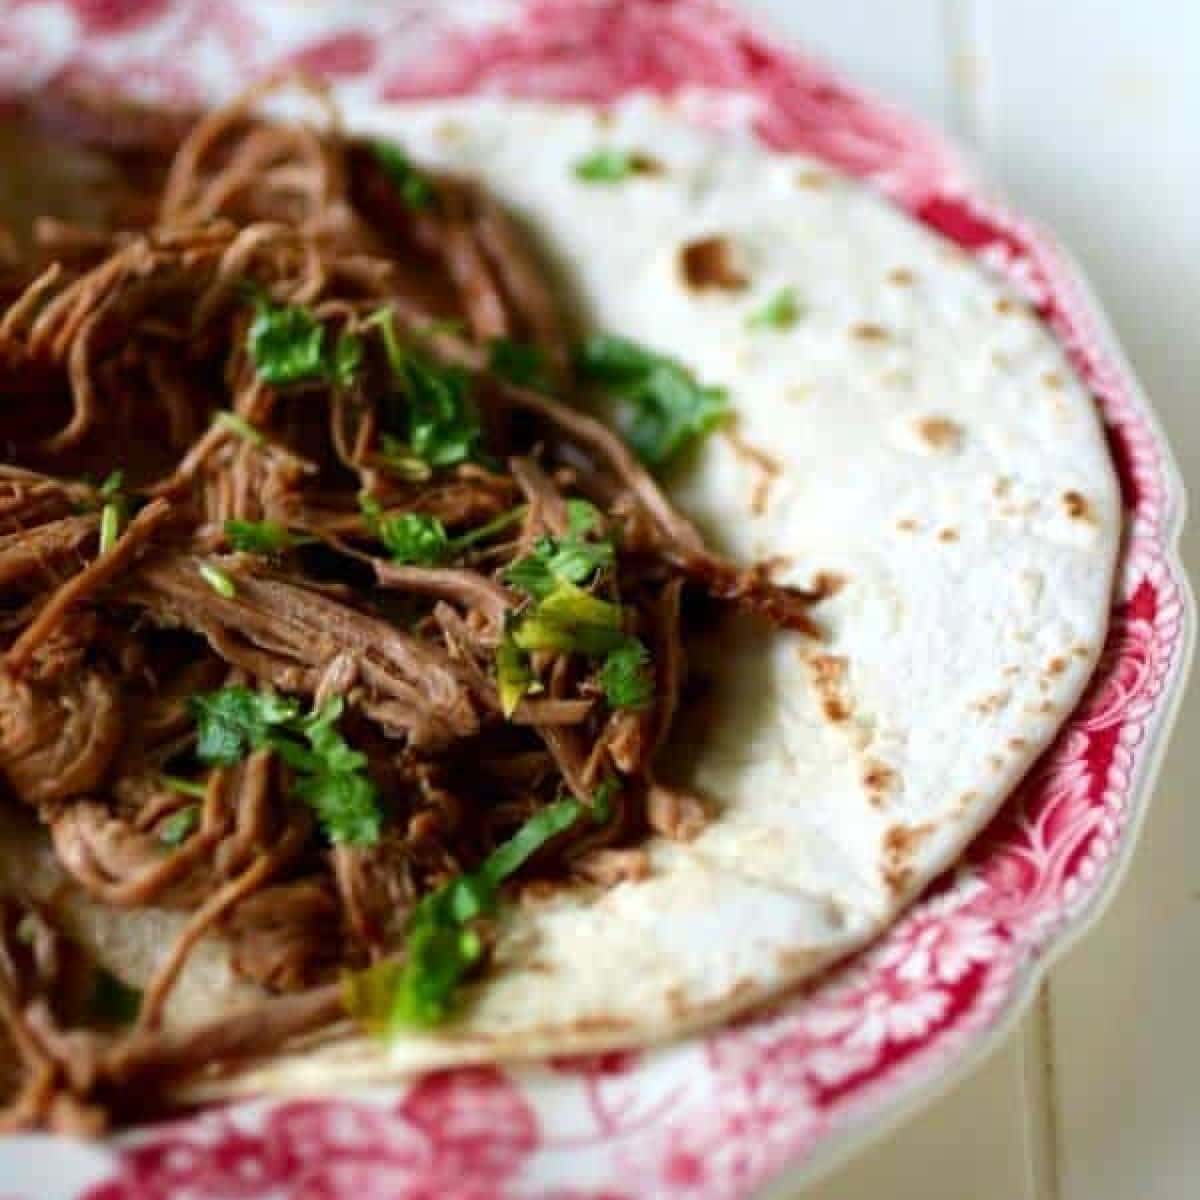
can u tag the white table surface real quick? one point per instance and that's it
(1087, 113)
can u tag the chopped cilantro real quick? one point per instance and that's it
(235, 720)
(329, 774)
(398, 457)
(607, 166)
(110, 525)
(521, 363)
(415, 188)
(286, 342)
(186, 787)
(571, 558)
(113, 1002)
(179, 826)
(258, 537)
(408, 537)
(441, 425)
(602, 799)
(113, 482)
(572, 620)
(782, 311)
(625, 677)
(241, 427)
(441, 949)
(514, 677)
(216, 579)
(665, 409)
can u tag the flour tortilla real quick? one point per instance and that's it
(936, 458)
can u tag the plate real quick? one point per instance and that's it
(802, 1085)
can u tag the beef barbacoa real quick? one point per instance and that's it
(329, 605)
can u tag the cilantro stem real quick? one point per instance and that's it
(218, 580)
(485, 531)
(185, 787)
(110, 526)
(241, 427)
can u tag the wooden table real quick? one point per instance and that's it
(1087, 113)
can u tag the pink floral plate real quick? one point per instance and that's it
(799, 1086)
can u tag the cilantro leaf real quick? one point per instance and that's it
(608, 166)
(179, 826)
(625, 677)
(665, 409)
(572, 620)
(571, 558)
(415, 188)
(235, 720)
(782, 311)
(514, 677)
(286, 342)
(521, 363)
(112, 484)
(441, 949)
(408, 537)
(258, 537)
(330, 774)
(442, 425)
(602, 799)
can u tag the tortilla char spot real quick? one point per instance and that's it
(939, 433)
(899, 844)
(1056, 666)
(707, 263)
(967, 800)
(948, 535)
(812, 179)
(1012, 670)
(604, 118)
(1017, 743)
(1001, 486)
(1082, 650)
(1076, 507)
(1053, 380)
(869, 331)
(991, 703)
(1005, 305)
(996, 761)
(907, 525)
(828, 673)
(1047, 708)
(878, 779)
(901, 277)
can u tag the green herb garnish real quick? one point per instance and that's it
(782, 311)
(570, 559)
(110, 525)
(665, 409)
(288, 345)
(180, 825)
(258, 537)
(415, 188)
(241, 427)
(602, 799)
(609, 166)
(441, 949)
(218, 580)
(440, 424)
(286, 342)
(514, 676)
(114, 481)
(521, 363)
(327, 772)
(625, 676)
(408, 537)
